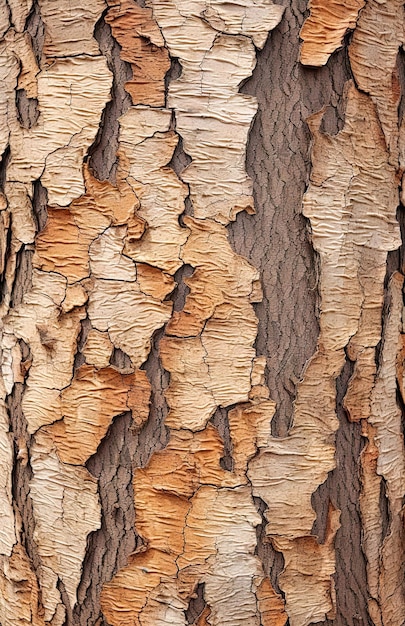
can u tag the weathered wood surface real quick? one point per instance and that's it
(175, 406)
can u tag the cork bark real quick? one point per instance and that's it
(202, 343)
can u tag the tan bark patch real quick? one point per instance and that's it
(385, 459)
(66, 509)
(373, 61)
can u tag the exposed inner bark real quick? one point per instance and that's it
(27, 109)
(154, 435)
(22, 472)
(342, 488)
(103, 153)
(221, 422)
(109, 547)
(276, 239)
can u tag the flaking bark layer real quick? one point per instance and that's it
(80, 331)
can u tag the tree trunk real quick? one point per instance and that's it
(202, 299)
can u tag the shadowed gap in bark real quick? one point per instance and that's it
(181, 292)
(272, 560)
(5, 158)
(85, 327)
(276, 240)
(69, 620)
(103, 152)
(154, 435)
(384, 509)
(173, 73)
(39, 205)
(121, 360)
(27, 109)
(221, 422)
(36, 29)
(23, 275)
(109, 547)
(196, 605)
(401, 78)
(22, 471)
(342, 488)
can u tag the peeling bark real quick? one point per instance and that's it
(181, 377)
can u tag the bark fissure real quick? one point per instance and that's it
(103, 153)
(342, 488)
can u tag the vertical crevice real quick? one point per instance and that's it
(103, 153)
(121, 360)
(27, 109)
(39, 205)
(342, 488)
(179, 295)
(384, 509)
(154, 435)
(109, 547)
(220, 420)
(36, 29)
(5, 158)
(173, 74)
(401, 79)
(22, 471)
(180, 158)
(277, 239)
(85, 327)
(69, 621)
(272, 560)
(23, 275)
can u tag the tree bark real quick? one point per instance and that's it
(202, 396)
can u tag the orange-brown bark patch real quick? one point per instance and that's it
(271, 605)
(142, 45)
(324, 29)
(89, 405)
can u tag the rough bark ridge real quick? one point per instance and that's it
(166, 438)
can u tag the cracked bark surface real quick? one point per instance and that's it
(202, 390)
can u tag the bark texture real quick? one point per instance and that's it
(202, 341)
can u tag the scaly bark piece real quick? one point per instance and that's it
(182, 490)
(146, 147)
(373, 60)
(371, 518)
(52, 338)
(271, 605)
(384, 459)
(89, 405)
(75, 90)
(7, 529)
(324, 29)
(209, 348)
(129, 316)
(19, 591)
(20, 10)
(198, 520)
(66, 509)
(301, 571)
(64, 244)
(69, 30)
(143, 47)
(213, 66)
(98, 349)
